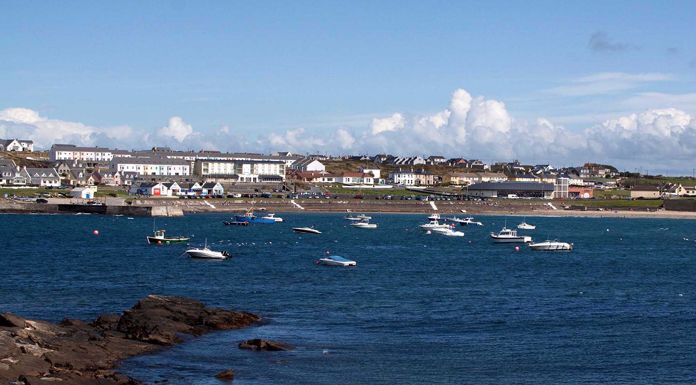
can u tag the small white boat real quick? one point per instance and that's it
(510, 236)
(364, 225)
(335, 260)
(455, 219)
(470, 221)
(355, 218)
(307, 230)
(526, 226)
(434, 217)
(206, 253)
(272, 217)
(434, 225)
(551, 246)
(448, 232)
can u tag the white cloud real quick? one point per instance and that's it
(28, 124)
(391, 123)
(608, 82)
(345, 139)
(177, 129)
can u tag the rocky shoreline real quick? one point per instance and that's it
(75, 352)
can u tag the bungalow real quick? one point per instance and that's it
(505, 189)
(39, 176)
(355, 178)
(308, 165)
(10, 174)
(212, 189)
(646, 192)
(191, 189)
(173, 187)
(316, 177)
(436, 160)
(83, 192)
(16, 145)
(151, 189)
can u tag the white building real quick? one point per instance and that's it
(72, 152)
(406, 178)
(253, 171)
(308, 165)
(44, 177)
(376, 173)
(152, 166)
(16, 145)
(83, 192)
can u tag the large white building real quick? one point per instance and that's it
(152, 166)
(243, 170)
(72, 152)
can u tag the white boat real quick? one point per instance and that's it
(434, 217)
(551, 246)
(364, 225)
(272, 217)
(455, 219)
(206, 253)
(448, 232)
(308, 230)
(470, 221)
(434, 225)
(361, 217)
(510, 236)
(526, 226)
(335, 260)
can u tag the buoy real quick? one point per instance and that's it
(95, 232)
(517, 248)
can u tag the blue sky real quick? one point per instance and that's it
(258, 70)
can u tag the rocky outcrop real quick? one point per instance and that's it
(264, 345)
(80, 353)
(225, 375)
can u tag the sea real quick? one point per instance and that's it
(418, 308)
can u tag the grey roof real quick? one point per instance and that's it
(512, 186)
(156, 160)
(43, 171)
(72, 147)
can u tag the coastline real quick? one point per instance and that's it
(494, 208)
(76, 352)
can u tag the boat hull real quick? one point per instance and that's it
(242, 218)
(206, 254)
(332, 262)
(560, 246)
(306, 230)
(166, 241)
(522, 239)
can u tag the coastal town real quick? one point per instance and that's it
(160, 172)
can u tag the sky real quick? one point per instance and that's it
(539, 81)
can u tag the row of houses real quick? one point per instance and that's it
(174, 189)
(13, 175)
(662, 191)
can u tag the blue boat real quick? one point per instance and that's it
(249, 217)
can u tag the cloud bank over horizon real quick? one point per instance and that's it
(469, 126)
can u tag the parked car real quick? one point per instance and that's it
(41, 200)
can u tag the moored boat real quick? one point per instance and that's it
(251, 218)
(235, 223)
(434, 225)
(551, 246)
(364, 224)
(510, 236)
(272, 217)
(206, 253)
(335, 260)
(307, 230)
(526, 226)
(159, 238)
(448, 232)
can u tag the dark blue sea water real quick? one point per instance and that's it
(418, 309)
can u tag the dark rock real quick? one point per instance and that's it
(12, 321)
(107, 321)
(161, 320)
(266, 345)
(225, 375)
(76, 353)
